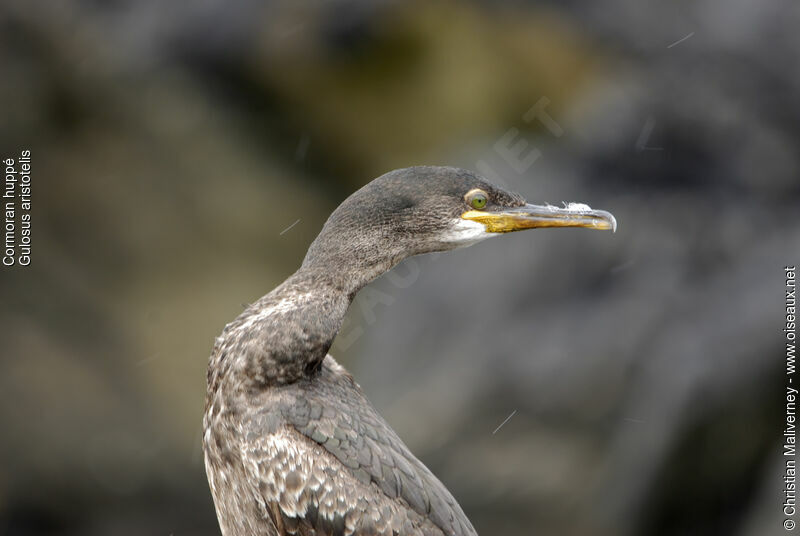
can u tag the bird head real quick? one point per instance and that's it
(428, 208)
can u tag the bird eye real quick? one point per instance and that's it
(477, 199)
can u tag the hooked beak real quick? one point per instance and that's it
(507, 220)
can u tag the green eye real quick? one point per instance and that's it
(477, 200)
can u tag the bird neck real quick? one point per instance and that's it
(284, 336)
(351, 257)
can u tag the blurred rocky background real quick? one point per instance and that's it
(185, 155)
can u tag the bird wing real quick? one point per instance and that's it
(327, 463)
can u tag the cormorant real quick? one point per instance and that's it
(292, 445)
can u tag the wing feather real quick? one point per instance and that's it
(328, 464)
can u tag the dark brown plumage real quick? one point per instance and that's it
(291, 444)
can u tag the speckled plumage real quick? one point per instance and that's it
(291, 444)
